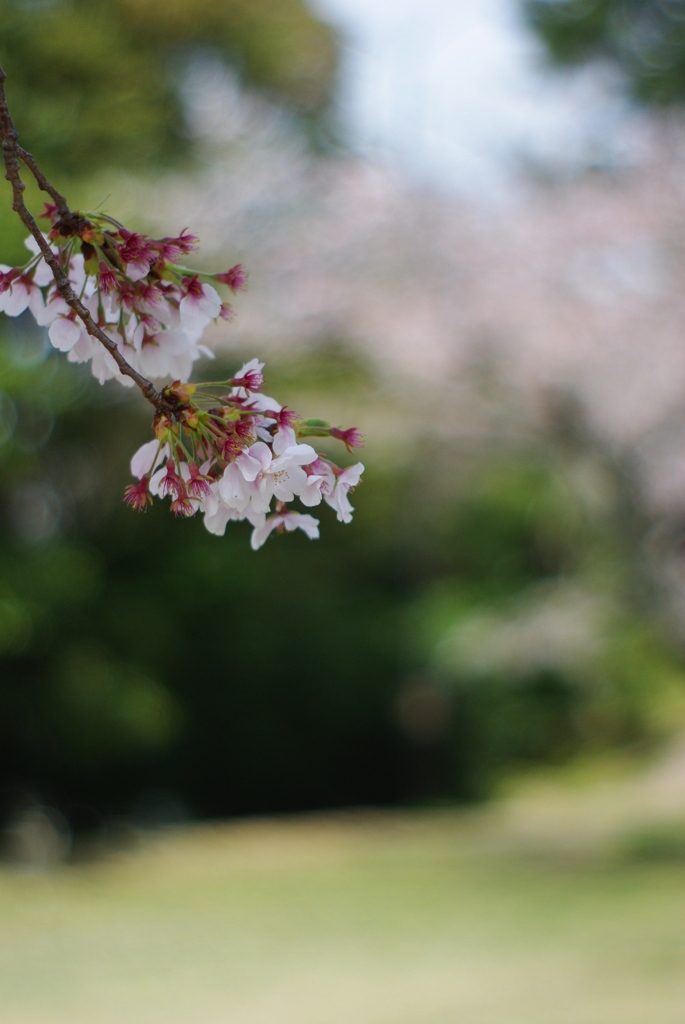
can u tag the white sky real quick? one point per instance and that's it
(455, 91)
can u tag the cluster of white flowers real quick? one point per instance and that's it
(156, 324)
(228, 456)
(272, 465)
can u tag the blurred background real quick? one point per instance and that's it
(463, 225)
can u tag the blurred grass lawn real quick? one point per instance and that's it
(391, 918)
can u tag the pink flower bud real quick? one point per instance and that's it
(198, 485)
(171, 248)
(251, 380)
(235, 278)
(108, 279)
(135, 247)
(137, 255)
(286, 417)
(127, 295)
(193, 286)
(352, 438)
(152, 326)
(231, 447)
(182, 507)
(244, 429)
(171, 483)
(50, 212)
(138, 496)
(8, 277)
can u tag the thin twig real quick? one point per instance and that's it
(43, 183)
(12, 153)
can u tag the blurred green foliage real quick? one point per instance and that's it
(537, 631)
(645, 38)
(486, 610)
(661, 842)
(413, 656)
(95, 83)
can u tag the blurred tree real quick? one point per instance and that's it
(420, 655)
(646, 38)
(141, 652)
(98, 82)
(542, 632)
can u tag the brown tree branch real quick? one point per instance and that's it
(43, 183)
(12, 153)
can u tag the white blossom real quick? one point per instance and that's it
(246, 441)
(147, 457)
(197, 310)
(339, 500)
(288, 520)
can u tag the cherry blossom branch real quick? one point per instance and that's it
(12, 153)
(227, 455)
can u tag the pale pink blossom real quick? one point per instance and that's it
(105, 368)
(64, 333)
(137, 269)
(134, 332)
(83, 350)
(137, 256)
(55, 306)
(320, 483)
(282, 477)
(250, 372)
(77, 276)
(42, 275)
(22, 294)
(200, 305)
(147, 457)
(249, 378)
(284, 438)
(236, 490)
(161, 308)
(218, 516)
(67, 330)
(339, 500)
(169, 353)
(284, 520)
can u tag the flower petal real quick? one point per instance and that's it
(64, 334)
(308, 524)
(192, 314)
(17, 299)
(209, 302)
(216, 521)
(350, 477)
(261, 533)
(144, 459)
(300, 454)
(255, 460)
(284, 438)
(42, 275)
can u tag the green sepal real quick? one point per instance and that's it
(313, 432)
